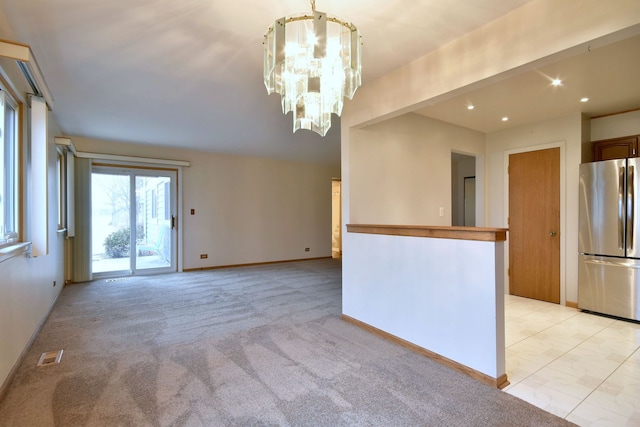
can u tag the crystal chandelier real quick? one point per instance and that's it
(313, 62)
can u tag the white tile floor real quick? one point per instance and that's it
(579, 366)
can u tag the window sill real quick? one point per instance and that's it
(14, 250)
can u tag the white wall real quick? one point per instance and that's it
(247, 209)
(415, 288)
(615, 126)
(510, 44)
(401, 170)
(538, 30)
(26, 284)
(566, 133)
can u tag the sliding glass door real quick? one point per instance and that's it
(155, 222)
(133, 220)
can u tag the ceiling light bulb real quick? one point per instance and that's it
(556, 82)
(505, 118)
(585, 99)
(470, 107)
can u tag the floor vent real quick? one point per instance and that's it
(50, 358)
(119, 279)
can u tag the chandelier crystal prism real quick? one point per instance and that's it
(313, 61)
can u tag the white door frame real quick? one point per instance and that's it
(133, 170)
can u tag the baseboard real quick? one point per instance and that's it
(12, 373)
(500, 382)
(571, 304)
(253, 264)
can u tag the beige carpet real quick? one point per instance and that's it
(251, 346)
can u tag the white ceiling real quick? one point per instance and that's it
(608, 75)
(188, 73)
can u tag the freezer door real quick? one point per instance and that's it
(633, 205)
(609, 286)
(603, 208)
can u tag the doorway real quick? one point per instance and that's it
(469, 201)
(463, 190)
(336, 218)
(534, 224)
(133, 216)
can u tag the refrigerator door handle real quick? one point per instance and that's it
(621, 176)
(630, 209)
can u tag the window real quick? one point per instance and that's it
(9, 195)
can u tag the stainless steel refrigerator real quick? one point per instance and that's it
(609, 238)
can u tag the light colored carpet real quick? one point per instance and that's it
(260, 345)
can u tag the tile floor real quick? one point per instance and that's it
(579, 366)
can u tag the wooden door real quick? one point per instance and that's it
(534, 224)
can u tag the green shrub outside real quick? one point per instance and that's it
(117, 243)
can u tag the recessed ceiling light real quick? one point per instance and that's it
(505, 118)
(556, 82)
(585, 99)
(470, 107)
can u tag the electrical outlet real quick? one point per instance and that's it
(193, 211)
(441, 211)
(203, 256)
(306, 249)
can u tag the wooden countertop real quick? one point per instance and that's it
(441, 232)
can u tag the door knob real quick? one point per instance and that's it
(552, 233)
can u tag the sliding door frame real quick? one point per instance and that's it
(134, 171)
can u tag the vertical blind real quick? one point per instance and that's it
(39, 212)
(82, 239)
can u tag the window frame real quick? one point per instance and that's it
(11, 159)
